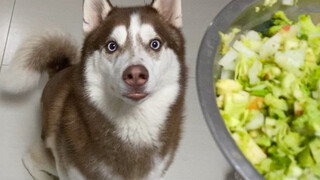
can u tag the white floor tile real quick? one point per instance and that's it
(19, 127)
(198, 157)
(34, 16)
(197, 15)
(6, 7)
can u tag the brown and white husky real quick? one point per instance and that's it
(115, 110)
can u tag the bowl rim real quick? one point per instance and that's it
(206, 93)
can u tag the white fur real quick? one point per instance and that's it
(35, 169)
(135, 24)
(119, 34)
(61, 172)
(147, 32)
(21, 76)
(38, 164)
(18, 79)
(160, 165)
(136, 123)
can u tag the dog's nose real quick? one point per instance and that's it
(135, 76)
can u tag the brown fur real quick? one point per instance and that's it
(52, 54)
(83, 134)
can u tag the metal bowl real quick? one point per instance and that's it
(241, 14)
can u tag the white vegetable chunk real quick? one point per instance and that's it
(288, 2)
(256, 122)
(227, 74)
(240, 47)
(254, 72)
(228, 60)
(253, 35)
(270, 47)
(290, 60)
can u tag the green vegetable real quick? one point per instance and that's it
(271, 102)
(249, 148)
(226, 39)
(279, 21)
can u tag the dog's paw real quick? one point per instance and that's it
(33, 169)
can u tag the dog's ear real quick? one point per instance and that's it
(94, 12)
(170, 10)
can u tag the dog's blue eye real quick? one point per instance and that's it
(155, 44)
(112, 46)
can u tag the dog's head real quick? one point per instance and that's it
(132, 53)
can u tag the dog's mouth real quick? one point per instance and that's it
(136, 96)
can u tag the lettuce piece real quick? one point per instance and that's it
(261, 93)
(305, 159)
(275, 175)
(226, 86)
(254, 72)
(279, 20)
(272, 127)
(249, 148)
(270, 71)
(252, 40)
(315, 150)
(234, 111)
(291, 60)
(270, 47)
(280, 163)
(243, 67)
(316, 170)
(275, 102)
(309, 177)
(226, 39)
(289, 142)
(306, 25)
(265, 166)
(309, 123)
(256, 122)
(263, 140)
(294, 171)
(244, 50)
(288, 80)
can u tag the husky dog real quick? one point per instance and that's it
(115, 110)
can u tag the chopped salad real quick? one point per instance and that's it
(269, 96)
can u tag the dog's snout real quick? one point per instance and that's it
(136, 75)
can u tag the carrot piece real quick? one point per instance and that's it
(286, 27)
(255, 103)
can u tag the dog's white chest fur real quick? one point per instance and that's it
(142, 124)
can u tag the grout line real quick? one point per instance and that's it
(5, 46)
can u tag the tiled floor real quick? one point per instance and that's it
(198, 157)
